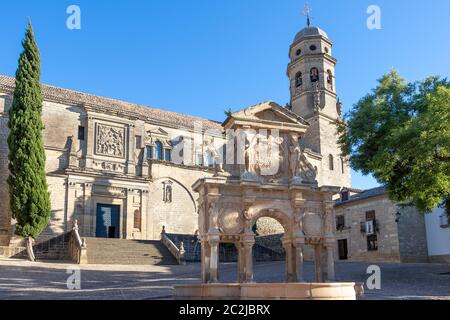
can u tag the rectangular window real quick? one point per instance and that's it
(344, 196)
(80, 133)
(372, 243)
(167, 156)
(138, 140)
(340, 222)
(199, 159)
(370, 215)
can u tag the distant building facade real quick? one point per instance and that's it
(370, 227)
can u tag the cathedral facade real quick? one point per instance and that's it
(126, 171)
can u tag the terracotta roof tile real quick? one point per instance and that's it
(52, 93)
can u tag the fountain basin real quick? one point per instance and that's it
(267, 291)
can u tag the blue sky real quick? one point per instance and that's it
(204, 56)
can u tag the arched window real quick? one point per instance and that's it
(330, 79)
(314, 74)
(158, 151)
(331, 162)
(298, 79)
(342, 165)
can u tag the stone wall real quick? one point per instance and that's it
(180, 214)
(412, 235)
(5, 213)
(57, 224)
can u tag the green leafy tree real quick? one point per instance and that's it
(29, 198)
(400, 133)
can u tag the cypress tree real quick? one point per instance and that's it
(29, 196)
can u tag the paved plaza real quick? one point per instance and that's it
(25, 280)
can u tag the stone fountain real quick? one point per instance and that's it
(270, 176)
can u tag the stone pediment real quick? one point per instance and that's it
(158, 135)
(269, 114)
(157, 132)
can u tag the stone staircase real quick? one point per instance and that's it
(128, 252)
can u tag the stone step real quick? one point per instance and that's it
(127, 252)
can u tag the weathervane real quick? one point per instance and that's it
(307, 13)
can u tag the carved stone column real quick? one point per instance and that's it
(205, 260)
(249, 241)
(89, 210)
(318, 263)
(214, 259)
(146, 172)
(330, 237)
(131, 163)
(241, 262)
(128, 226)
(90, 145)
(330, 263)
(144, 215)
(299, 247)
(291, 274)
(70, 201)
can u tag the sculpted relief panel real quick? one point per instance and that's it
(110, 141)
(109, 166)
(277, 158)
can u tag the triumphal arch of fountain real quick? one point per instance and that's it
(266, 174)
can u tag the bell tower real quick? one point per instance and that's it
(311, 72)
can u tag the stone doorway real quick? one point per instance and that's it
(108, 221)
(343, 249)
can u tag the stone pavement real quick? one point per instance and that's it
(26, 280)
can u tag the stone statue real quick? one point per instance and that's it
(300, 167)
(213, 215)
(210, 148)
(298, 218)
(251, 154)
(294, 156)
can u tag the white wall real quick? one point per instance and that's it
(438, 238)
